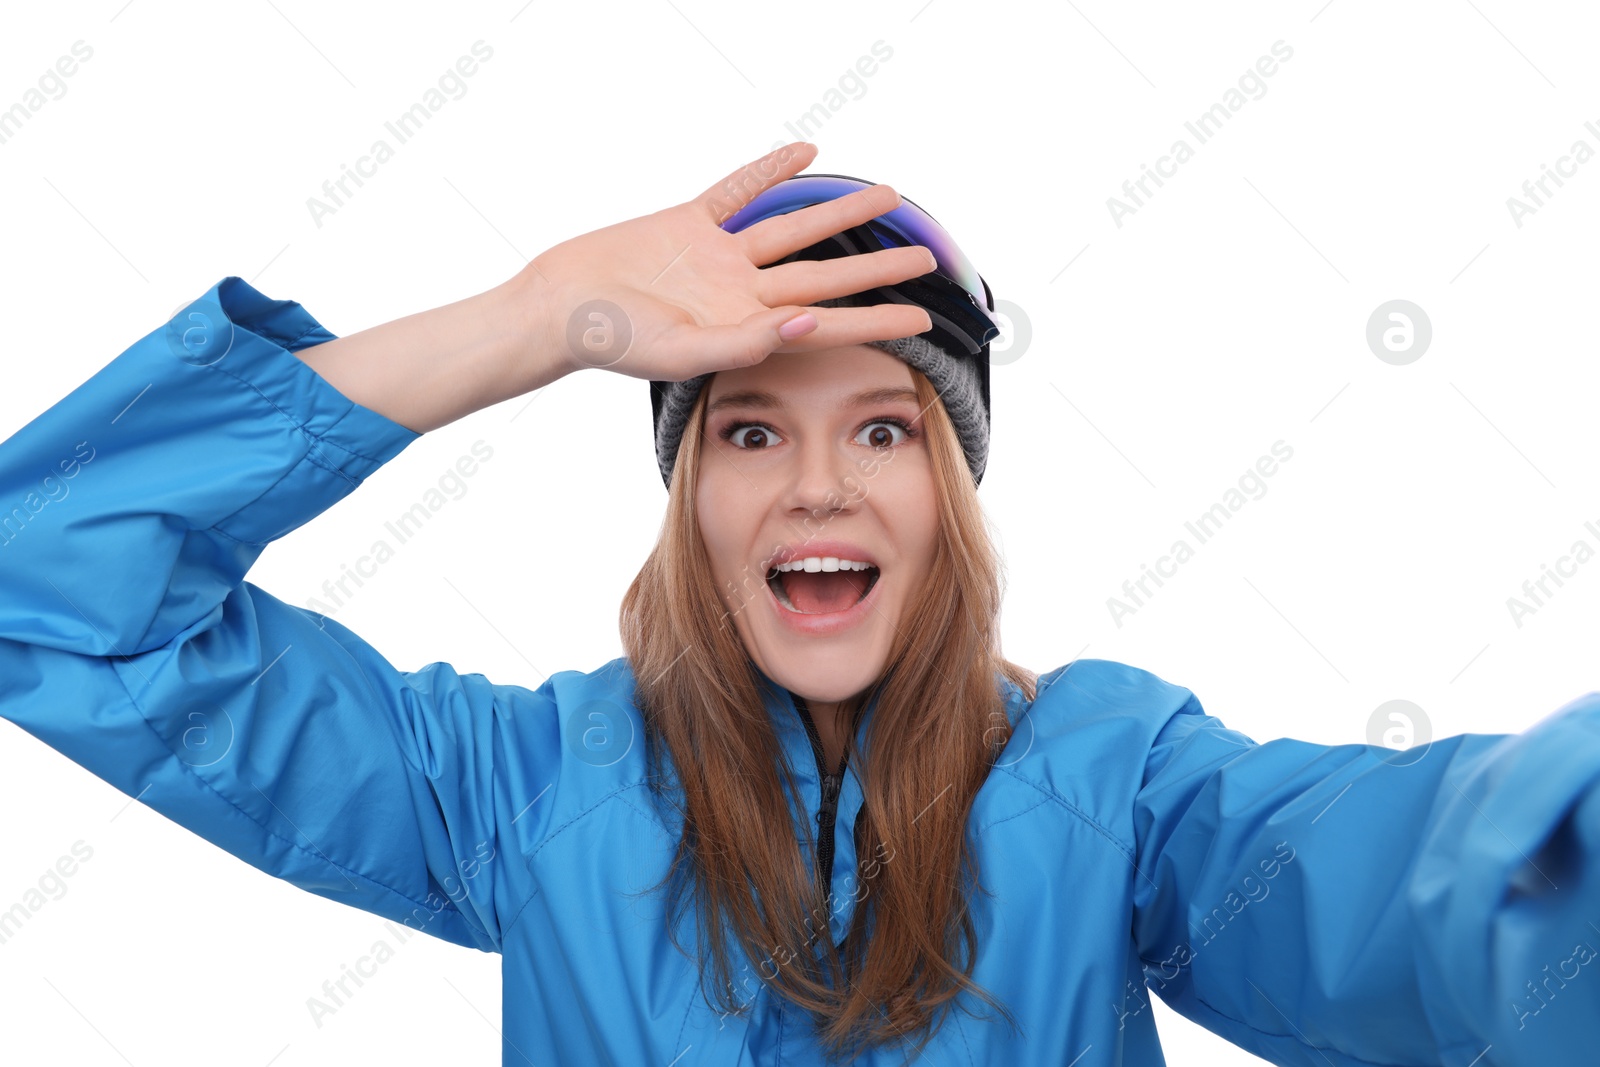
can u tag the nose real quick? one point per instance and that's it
(822, 478)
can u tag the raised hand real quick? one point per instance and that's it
(671, 295)
(665, 296)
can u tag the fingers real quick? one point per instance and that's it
(723, 199)
(696, 350)
(808, 281)
(838, 327)
(776, 237)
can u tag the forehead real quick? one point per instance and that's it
(826, 376)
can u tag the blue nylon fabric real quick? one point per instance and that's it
(1316, 905)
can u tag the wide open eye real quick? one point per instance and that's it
(758, 437)
(875, 435)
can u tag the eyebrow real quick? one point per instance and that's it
(759, 398)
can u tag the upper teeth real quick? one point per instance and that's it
(823, 563)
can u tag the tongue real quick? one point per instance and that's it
(818, 592)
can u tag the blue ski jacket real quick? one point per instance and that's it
(1321, 906)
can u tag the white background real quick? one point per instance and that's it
(1166, 355)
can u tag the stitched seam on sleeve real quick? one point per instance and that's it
(694, 991)
(553, 834)
(515, 918)
(301, 336)
(962, 1034)
(216, 527)
(1015, 815)
(312, 456)
(294, 421)
(1070, 806)
(646, 816)
(558, 831)
(267, 829)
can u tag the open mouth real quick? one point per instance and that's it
(805, 591)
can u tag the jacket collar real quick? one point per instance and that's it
(784, 712)
(789, 726)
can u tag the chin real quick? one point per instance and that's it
(826, 682)
(822, 672)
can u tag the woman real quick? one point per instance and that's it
(794, 822)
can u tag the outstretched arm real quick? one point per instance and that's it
(1349, 905)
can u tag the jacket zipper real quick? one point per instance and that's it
(831, 785)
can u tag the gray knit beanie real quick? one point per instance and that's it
(961, 384)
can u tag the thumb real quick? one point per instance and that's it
(754, 339)
(792, 325)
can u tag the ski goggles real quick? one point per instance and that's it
(957, 299)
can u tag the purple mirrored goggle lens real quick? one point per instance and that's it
(906, 225)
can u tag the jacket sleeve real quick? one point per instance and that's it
(130, 642)
(1351, 905)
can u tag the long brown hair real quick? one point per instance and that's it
(937, 725)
